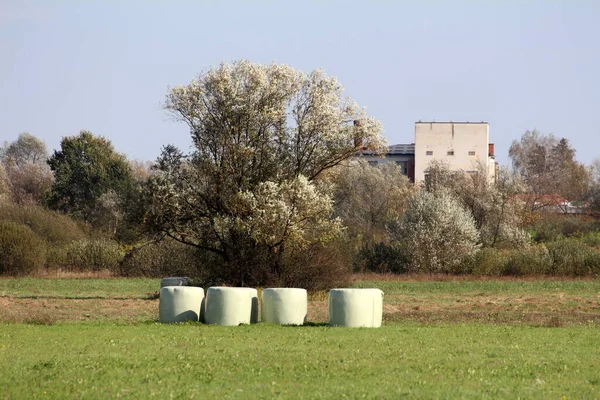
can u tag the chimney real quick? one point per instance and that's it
(491, 150)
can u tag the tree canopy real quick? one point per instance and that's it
(26, 173)
(263, 137)
(27, 149)
(85, 168)
(549, 168)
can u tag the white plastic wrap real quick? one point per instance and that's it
(356, 307)
(231, 306)
(180, 303)
(174, 281)
(284, 306)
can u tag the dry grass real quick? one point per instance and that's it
(513, 304)
(49, 311)
(63, 274)
(551, 309)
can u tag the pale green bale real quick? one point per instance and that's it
(284, 306)
(356, 308)
(231, 306)
(180, 303)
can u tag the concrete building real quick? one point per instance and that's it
(461, 145)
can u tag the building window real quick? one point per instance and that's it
(450, 152)
(403, 166)
(471, 153)
(429, 153)
(373, 163)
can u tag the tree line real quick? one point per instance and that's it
(272, 194)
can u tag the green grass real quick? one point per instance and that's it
(141, 287)
(514, 287)
(79, 288)
(437, 358)
(105, 360)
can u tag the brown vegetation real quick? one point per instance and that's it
(533, 309)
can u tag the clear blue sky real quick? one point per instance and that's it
(105, 66)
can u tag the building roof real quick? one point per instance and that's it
(395, 149)
(451, 122)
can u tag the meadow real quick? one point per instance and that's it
(442, 338)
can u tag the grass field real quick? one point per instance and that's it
(97, 338)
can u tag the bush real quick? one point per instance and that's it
(21, 250)
(317, 267)
(91, 254)
(489, 261)
(436, 232)
(552, 227)
(57, 229)
(592, 239)
(382, 258)
(566, 257)
(165, 258)
(531, 260)
(573, 257)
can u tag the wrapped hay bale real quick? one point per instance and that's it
(180, 303)
(356, 308)
(231, 306)
(175, 281)
(284, 306)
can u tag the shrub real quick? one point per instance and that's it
(383, 258)
(21, 250)
(489, 261)
(57, 229)
(552, 227)
(592, 263)
(165, 258)
(531, 260)
(317, 267)
(91, 254)
(592, 239)
(436, 232)
(572, 257)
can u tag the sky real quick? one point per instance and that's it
(106, 66)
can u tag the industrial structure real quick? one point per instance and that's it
(460, 145)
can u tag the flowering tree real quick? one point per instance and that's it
(251, 191)
(496, 213)
(368, 198)
(436, 232)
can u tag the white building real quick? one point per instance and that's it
(461, 145)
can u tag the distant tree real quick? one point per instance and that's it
(593, 195)
(124, 215)
(24, 161)
(436, 232)
(368, 198)
(492, 205)
(5, 187)
(27, 149)
(86, 168)
(252, 190)
(140, 170)
(548, 167)
(595, 170)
